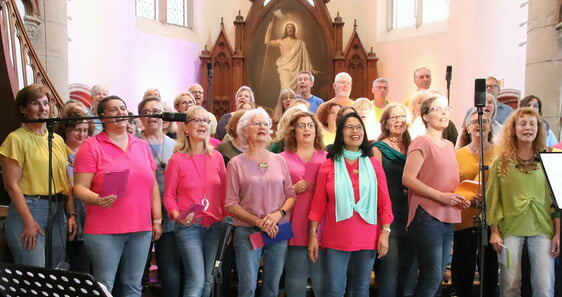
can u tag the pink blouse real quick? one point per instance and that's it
(352, 234)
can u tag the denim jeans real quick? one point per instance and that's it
(197, 246)
(542, 266)
(298, 268)
(398, 269)
(248, 261)
(434, 240)
(337, 264)
(39, 210)
(126, 251)
(170, 268)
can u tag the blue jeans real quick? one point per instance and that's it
(337, 263)
(434, 240)
(126, 251)
(170, 269)
(398, 269)
(39, 210)
(248, 261)
(197, 246)
(298, 268)
(542, 266)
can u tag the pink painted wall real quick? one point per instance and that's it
(107, 48)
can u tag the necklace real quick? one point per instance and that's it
(161, 164)
(395, 139)
(527, 166)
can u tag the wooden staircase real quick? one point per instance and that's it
(19, 66)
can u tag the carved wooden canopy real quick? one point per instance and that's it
(259, 65)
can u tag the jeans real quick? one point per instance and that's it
(197, 246)
(434, 240)
(170, 269)
(298, 268)
(39, 210)
(398, 269)
(542, 266)
(126, 251)
(248, 261)
(337, 263)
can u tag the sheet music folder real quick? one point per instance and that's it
(552, 166)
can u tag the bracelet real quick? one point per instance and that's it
(312, 230)
(386, 229)
(70, 215)
(159, 221)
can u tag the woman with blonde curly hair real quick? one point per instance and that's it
(520, 205)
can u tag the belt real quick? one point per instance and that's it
(56, 197)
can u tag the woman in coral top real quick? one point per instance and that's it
(431, 174)
(304, 154)
(352, 199)
(196, 175)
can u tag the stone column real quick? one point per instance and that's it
(543, 75)
(51, 42)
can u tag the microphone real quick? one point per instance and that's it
(210, 69)
(228, 225)
(173, 117)
(449, 73)
(480, 92)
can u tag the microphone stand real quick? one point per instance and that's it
(50, 123)
(448, 89)
(209, 80)
(482, 222)
(217, 283)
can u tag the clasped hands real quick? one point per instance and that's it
(268, 223)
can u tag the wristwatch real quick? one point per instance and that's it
(387, 229)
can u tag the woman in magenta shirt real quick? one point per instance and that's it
(304, 154)
(196, 175)
(352, 199)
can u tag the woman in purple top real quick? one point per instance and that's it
(259, 193)
(433, 205)
(304, 154)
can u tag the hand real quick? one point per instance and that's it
(301, 186)
(555, 249)
(29, 235)
(156, 231)
(313, 248)
(453, 199)
(269, 223)
(382, 246)
(477, 199)
(496, 241)
(106, 201)
(72, 227)
(464, 204)
(187, 221)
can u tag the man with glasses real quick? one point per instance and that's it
(198, 93)
(342, 89)
(380, 91)
(503, 111)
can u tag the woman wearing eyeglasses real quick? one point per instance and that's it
(397, 271)
(433, 205)
(351, 197)
(195, 176)
(259, 194)
(304, 154)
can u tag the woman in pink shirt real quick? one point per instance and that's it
(352, 199)
(259, 195)
(431, 174)
(304, 154)
(195, 175)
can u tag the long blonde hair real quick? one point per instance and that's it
(183, 144)
(508, 141)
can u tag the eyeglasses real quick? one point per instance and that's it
(266, 124)
(353, 128)
(200, 121)
(196, 92)
(187, 102)
(151, 111)
(475, 122)
(535, 105)
(303, 126)
(491, 86)
(440, 108)
(397, 117)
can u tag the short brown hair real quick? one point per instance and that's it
(28, 94)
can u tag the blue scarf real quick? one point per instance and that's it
(345, 201)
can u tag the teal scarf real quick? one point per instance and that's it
(345, 201)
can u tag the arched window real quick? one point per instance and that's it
(173, 12)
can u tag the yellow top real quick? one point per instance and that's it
(31, 152)
(469, 169)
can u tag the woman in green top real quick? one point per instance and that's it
(520, 206)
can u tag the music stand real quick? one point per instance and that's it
(21, 280)
(552, 166)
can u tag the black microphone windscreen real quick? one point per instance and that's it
(174, 117)
(449, 73)
(480, 92)
(210, 69)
